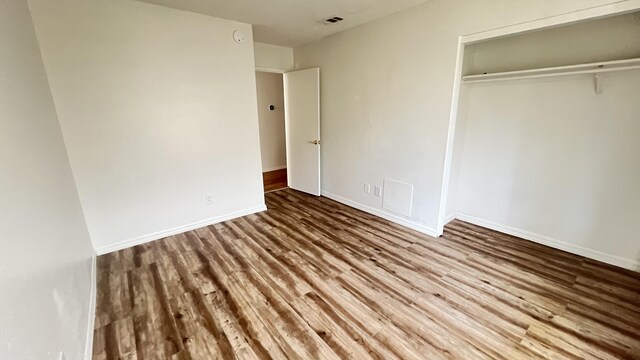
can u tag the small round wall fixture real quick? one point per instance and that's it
(271, 107)
(238, 37)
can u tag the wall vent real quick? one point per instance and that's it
(332, 20)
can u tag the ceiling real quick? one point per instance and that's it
(293, 22)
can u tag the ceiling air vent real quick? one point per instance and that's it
(332, 20)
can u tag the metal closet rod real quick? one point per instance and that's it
(589, 68)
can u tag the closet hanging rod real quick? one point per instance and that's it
(590, 68)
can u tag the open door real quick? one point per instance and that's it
(302, 124)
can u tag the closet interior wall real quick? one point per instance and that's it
(549, 159)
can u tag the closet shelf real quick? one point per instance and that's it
(591, 68)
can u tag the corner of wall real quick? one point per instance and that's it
(101, 250)
(88, 352)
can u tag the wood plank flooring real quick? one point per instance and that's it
(275, 180)
(313, 279)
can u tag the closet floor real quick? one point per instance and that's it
(314, 279)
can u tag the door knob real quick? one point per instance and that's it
(315, 142)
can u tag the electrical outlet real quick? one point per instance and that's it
(208, 200)
(367, 188)
(377, 190)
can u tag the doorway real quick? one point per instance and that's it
(271, 118)
(289, 121)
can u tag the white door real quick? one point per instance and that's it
(302, 123)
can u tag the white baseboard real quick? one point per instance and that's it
(88, 351)
(450, 218)
(274, 168)
(177, 230)
(381, 213)
(630, 264)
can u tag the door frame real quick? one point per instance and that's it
(271, 70)
(617, 8)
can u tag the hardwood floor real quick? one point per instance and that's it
(274, 180)
(313, 279)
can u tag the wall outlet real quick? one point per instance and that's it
(367, 188)
(377, 190)
(208, 200)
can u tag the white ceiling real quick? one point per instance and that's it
(293, 22)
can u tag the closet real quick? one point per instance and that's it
(547, 138)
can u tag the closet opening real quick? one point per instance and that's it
(543, 125)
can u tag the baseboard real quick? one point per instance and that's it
(177, 230)
(630, 264)
(274, 168)
(450, 218)
(88, 351)
(381, 213)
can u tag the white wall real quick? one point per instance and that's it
(158, 111)
(551, 159)
(611, 38)
(269, 88)
(386, 92)
(606, 39)
(273, 57)
(45, 251)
